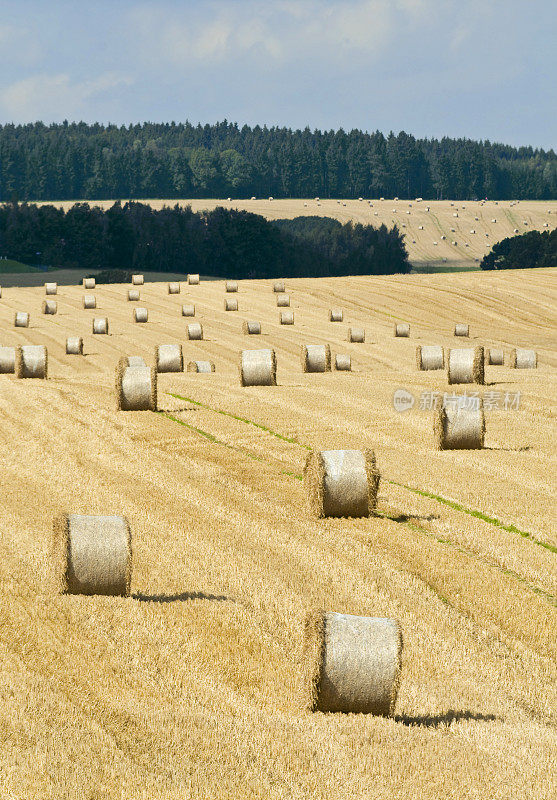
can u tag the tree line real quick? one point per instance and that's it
(532, 249)
(76, 161)
(222, 243)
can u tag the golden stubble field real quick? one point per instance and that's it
(191, 687)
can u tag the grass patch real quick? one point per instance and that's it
(9, 265)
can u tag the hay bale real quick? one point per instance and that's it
(7, 360)
(343, 362)
(89, 301)
(140, 314)
(51, 288)
(466, 365)
(193, 280)
(231, 304)
(100, 325)
(336, 315)
(132, 361)
(89, 283)
(496, 357)
(49, 307)
(173, 287)
(341, 483)
(136, 388)
(524, 359)
(74, 346)
(316, 357)
(92, 554)
(251, 327)
(461, 329)
(283, 300)
(287, 318)
(31, 361)
(188, 310)
(21, 319)
(133, 295)
(231, 286)
(353, 663)
(278, 287)
(459, 427)
(0, 291)
(356, 335)
(430, 356)
(402, 329)
(169, 358)
(258, 368)
(195, 330)
(201, 366)
(138, 280)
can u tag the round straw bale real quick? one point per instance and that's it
(316, 357)
(31, 361)
(195, 330)
(251, 327)
(231, 286)
(466, 365)
(169, 358)
(89, 301)
(278, 286)
(188, 310)
(287, 318)
(21, 319)
(342, 483)
(201, 366)
(283, 300)
(193, 280)
(7, 360)
(173, 287)
(459, 427)
(353, 663)
(258, 368)
(92, 554)
(356, 335)
(140, 314)
(51, 288)
(133, 294)
(524, 359)
(343, 362)
(138, 280)
(74, 346)
(50, 307)
(89, 283)
(336, 315)
(231, 304)
(132, 361)
(136, 388)
(100, 325)
(496, 356)
(461, 329)
(402, 329)
(430, 356)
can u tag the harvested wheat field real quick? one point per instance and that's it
(191, 687)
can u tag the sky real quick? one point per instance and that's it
(461, 68)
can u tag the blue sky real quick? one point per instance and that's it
(485, 70)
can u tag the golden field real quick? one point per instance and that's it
(190, 688)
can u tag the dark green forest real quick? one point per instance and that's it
(532, 249)
(221, 243)
(71, 161)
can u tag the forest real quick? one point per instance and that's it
(78, 161)
(532, 249)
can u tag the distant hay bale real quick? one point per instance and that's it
(435, 243)
(283, 300)
(472, 230)
(173, 287)
(195, 330)
(0, 291)
(455, 214)
(316, 358)
(100, 325)
(494, 220)
(201, 366)
(515, 230)
(188, 310)
(169, 358)
(287, 318)
(193, 279)
(278, 287)
(74, 346)
(231, 304)
(430, 356)
(420, 227)
(258, 368)
(461, 329)
(336, 315)
(402, 329)
(133, 295)
(137, 280)
(459, 427)
(21, 319)
(524, 359)
(51, 288)
(136, 388)
(140, 314)
(496, 357)
(466, 365)
(251, 327)
(89, 283)
(341, 483)
(31, 361)
(50, 307)
(343, 362)
(92, 555)
(231, 286)
(7, 360)
(356, 335)
(89, 301)
(353, 663)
